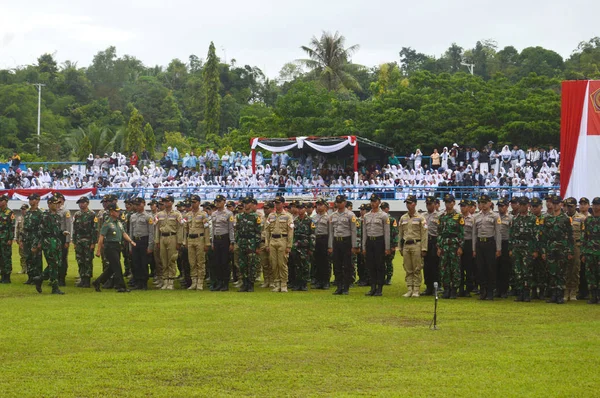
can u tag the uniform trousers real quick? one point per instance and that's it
(375, 258)
(221, 258)
(112, 253)
(342, 260)
(486, 263)
(139, 260)
(431, 269)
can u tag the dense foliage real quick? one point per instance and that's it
(119, 104)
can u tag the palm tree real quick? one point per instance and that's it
(330, 61)
(95, 140)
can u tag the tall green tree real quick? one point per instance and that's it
(212, 116)
(150, 140)
(331, 62)
(136, 140)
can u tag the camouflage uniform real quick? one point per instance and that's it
(32, 223)
(126, 247)
(389, 258)
(590, 251)
(539, 272)
(7, 234)
(304, 242)
(247, 237)
(51, 245)
(450, 238)
(522, 245)
(557, 244)
(85, 234)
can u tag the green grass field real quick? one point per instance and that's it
(180, 344)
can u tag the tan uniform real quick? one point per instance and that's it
(197, 230)
(574, 265)
(19, 239)
(413, 242)
(169, 234)
(265, 263)
(279, 237)
(158, 268)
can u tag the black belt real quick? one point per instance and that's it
(375, 237)
(278, 236)
(263, 241)
(111, 242)
(168, 233)
(341, 238)
(225, 236)
(195, 235)
(490, 239)
(322, 236)
(577, 240)
(411, 241)
(140, 237)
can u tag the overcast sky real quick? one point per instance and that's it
(268, 34)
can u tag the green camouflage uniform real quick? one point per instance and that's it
(125, 218)
(51, 245)
(7, 233)
(247, 238)
(557, 244)
(451, 231)
(389, 258)
(522, 243)
(539, 277)
(590, 250)
(304, 242)
(85, 234)
(32, 238)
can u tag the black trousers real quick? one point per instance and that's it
(486, 264)
(322, 272)
(139, 260)
(375, 258)
(112, 253)
(361, 268)
(221, 259)
(342, 260)
(467, 268)
(503, 269)
(431, 266)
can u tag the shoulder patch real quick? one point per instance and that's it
(312, 225)
(387, 221)
(395, 223)
(67, 214)
(12, 216)
(150, 220)
(354, 219)
(499, 220)
(258, 220)
(462, 221)
(95, 219)
(231, 218)
(357, 224)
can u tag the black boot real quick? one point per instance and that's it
(38, 283)
(388, 280)
(3, 279)
(372, 291)
(428, 292)
(316, 285)
(526, 296)
(378, 290)
(215, 286)
(61, 282)
(96, 285)
(446, 294)
(29, 280)
(303, 287)
(339, 289)
(250, 285)
(244, 287)
(85, 282)
(224, 287)
(519, 296)
(453, 294)
(109, 284)
(346, 290)
(560, 296)
(593, 297)
(8, 278)
(362, 283)
(490, 295)
(325, 286)
(482, 294)
(56, 290)
(534, 294)
(554, 297)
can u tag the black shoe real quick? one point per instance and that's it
(84, 282)
(554, 297)
(224, 287)
(482, 294)
(38, 283)
(316, 285)
(372, 291)
(8, 279)
(560, 296)
(594, 297)
(123, 290)
(427, 292)
(362, 283)
(244, 287)
(453, 293)
(215, 287)
(388, 281)
(446, 294)
(325, 286)
(520, 296)
(378, 291)
(96, 285)
(62, 281)
(29, 281)
(251, 287)
(526, 296)
(56, 290)
(476, 291)
(338, 291)
(302, 287)
(504, 295)
(109, 284)
(534, 294)
(490, 296)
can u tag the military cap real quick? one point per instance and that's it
(58, 195)
(571, 201)
(180, 204)
(109, 197)
(253, 201)
(295, 203)
(279, 199)
(207, 204)
(301, 206)
(220, 198)
(322, 201)
(230, 203)
(52, 200)
(138, 201)
(113, 206)
(34, 196)
(584, 201)
(25, 206)
(127, 201)
(3, 198)
(464, 202)
(374, 197)
(340, 198)
(385, 205)
(503, 202)
(550, 197)
(311, 204)
(484, 199)
(348, 204)
(523, 200)
(368, 207)
(194, 198)
(410, 199)
(83, 199)
(556, 199)
(152, 202)
(596, 201)
(160, 203)
(239, 206)
(515, 199)
(168, 198)
(536, 202)
(246, 200)
(448, 198)
(268, 205)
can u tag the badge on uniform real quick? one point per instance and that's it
(12, 216)
(395, 223)
(462, 221)
(353, 219)
(68, 214)
(388, 221)
(499, 220)
(258, 221)
(95, 219)
(312, 225)
(231, 219)
(150, 221)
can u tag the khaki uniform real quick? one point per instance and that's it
(413, 242)
(279, 237)
(169, 234)
(198, 237)
(574, 265)
(375, 241)
(265, 263)
(158, 268)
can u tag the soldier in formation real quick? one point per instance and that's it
(85, 236)
(450, 241)
(412, 236)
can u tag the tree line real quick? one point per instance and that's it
(119, 104)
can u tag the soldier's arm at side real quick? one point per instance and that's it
(386, 234)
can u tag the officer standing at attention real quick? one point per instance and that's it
(141, 230)
(198, 242)
(52, 233)
(247, 236)
(67, 225)
(522, 249)
(584, 206)
(303, 247)
(503, 268)
(413, 245)
(223, 243)
(361, 266)
(590, 250)
(431, 268)
(557, 249)
(389, 258)
(19, 238)
(7, 235)
(32, 239)
(376, 244)
(279, 239)
(574, 264)
(450, 241)
(85, 236)
(169, 233)
(539, 275)
(321, 262)
(487, 246)
(264, 254)
(111, 236)
(342, 243)
(156, 269)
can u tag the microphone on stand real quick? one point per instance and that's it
(433, 325)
